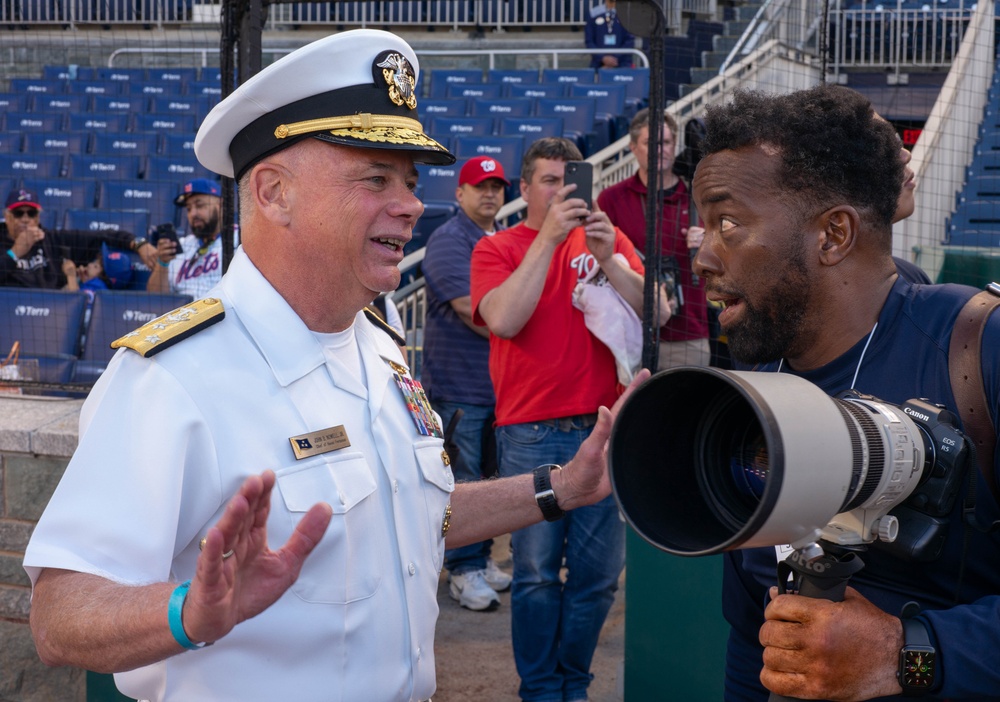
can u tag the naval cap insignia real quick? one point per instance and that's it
(399, 76)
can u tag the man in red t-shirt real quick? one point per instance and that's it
(550, 375)
(684, 338)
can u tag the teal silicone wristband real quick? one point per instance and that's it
(162, 264)
(174, 617)
(10, 252)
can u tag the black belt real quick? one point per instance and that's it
(576, 421)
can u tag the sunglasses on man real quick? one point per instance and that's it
(22, 212)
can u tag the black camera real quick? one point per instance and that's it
(704, 460)
(923, 516)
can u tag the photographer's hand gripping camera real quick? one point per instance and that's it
(704, 460)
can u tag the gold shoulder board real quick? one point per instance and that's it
(384, 326)
(163, 332)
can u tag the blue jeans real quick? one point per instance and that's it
(467, 467)
(556, 624)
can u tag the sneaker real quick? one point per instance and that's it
(472, 592)
(496, 578)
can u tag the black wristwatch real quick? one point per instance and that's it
(544, 496)
(916, 658)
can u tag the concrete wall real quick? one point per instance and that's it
(37, 437)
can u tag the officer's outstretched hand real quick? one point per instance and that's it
(228, 590)
(816, 649)
(584, 480)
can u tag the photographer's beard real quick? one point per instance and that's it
(206, 230)
(772, 321)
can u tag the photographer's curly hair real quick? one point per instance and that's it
(834, 149)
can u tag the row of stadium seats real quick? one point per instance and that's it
(635, 80)
(184, 74)
(70, 337)
(99, 140)
(180, 166)
(60, 196)
(80, 105)
(111, 88)
(976, 221)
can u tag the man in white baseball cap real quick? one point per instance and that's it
(260, 498)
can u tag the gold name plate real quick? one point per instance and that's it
(317, 442)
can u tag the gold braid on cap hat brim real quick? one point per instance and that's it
(365, 120)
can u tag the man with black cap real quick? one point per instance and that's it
(198, 268)
(456, 370)
(258, 470)
(35, 258)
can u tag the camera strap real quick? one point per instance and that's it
(966, 371)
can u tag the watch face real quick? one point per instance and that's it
(917, 668)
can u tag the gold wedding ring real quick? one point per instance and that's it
(204, 540)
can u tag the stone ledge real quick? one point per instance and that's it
(40, 426)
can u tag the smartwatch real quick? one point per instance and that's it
(544, 495)
(916, 658)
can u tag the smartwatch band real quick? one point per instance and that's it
(544, 495)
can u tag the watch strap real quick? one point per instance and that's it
(544, 495)
(915, 640)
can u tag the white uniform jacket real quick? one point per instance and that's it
(166, 441)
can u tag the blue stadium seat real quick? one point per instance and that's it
(974, 237)
(609, 104)
(63, 193)
(461, 126)
(10, 143)
(61, 142)
(974, 220)
(211, 74)
(33, 86)
(14, 102)
(120, 74)
(444, 107)
(519, 75)
(45, 322)
(119, 103)
(128, 144)
(176, 167)
(182, 75)
(473, 90)
(568, 75)
(578, 120)
(133, 221)
(172, 122)
(106, 122)
(114, 314)
(505, 149)
(536, 90)
(34, 122)
(434, 215)
(196, 105)
(142, 88)
(29, 166)
(211, 88)
(103, 166)
(94, 87)
(985, 163)
(178, 146)
(981, 188)
(636, 82)
(438, 183)
(441, 78)
(58, 103)
(502, 107)
(532, 128)
(989, 141)
(156, 196)
(67, 73)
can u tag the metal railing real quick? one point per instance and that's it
(497, 15)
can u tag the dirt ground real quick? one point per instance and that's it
(473, 649)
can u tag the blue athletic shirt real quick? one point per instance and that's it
(907, 358)
(456, 366)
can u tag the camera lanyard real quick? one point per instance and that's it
(857, 369)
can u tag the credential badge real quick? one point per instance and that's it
(399, 76)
